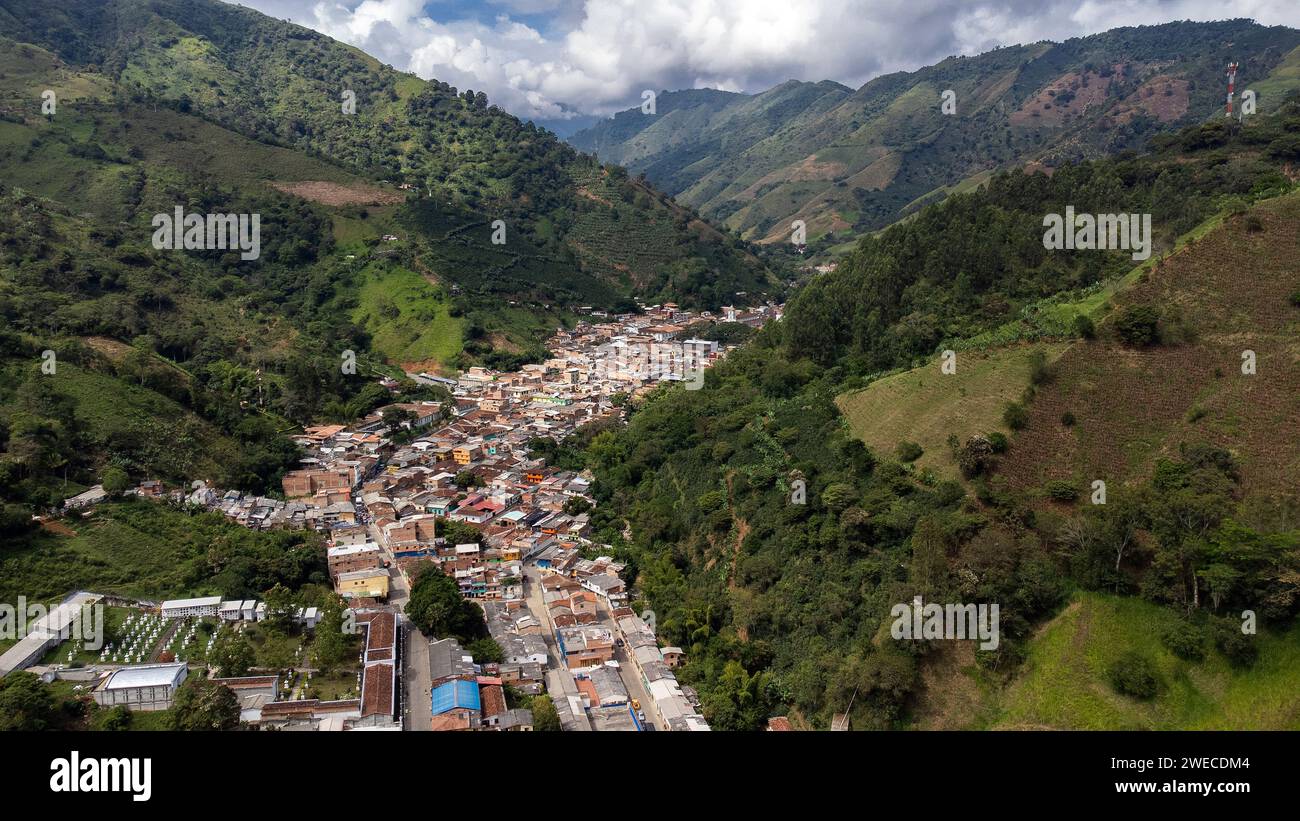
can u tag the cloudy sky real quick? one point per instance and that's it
(558, 60)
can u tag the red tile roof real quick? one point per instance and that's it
(377, 690)
(493, 698)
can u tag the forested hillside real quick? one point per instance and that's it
(284, 85)
(783, 607)
(379, 195)
(849, 161)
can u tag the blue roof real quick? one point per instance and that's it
(452, 694)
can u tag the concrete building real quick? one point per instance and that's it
(455, 705)
(238, 610)
(145, 687)
(354, 557)
(48, 631)
(191, 608)
(363, 584)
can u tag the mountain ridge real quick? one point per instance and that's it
(867, 160)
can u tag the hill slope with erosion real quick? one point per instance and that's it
(849, 161)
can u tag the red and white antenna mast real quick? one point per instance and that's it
(1232, 84)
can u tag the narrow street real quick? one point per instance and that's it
(559, 683)
(537, 606)
(626, 667)
(417, 709)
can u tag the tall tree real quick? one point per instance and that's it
(205, 705)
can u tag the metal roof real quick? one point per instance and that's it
(147, 675)
(454, 694)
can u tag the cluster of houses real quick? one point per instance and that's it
(470, 461)
(598, 698)
(629, 353)
(377, 496)
(466, 696)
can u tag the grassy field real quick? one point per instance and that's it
(113, 619)
(925, 406)
(407, 317)
(109, 408)
(107, 555)
(1285, 77)
(335, 685)
(1063, 684)
(351, 230)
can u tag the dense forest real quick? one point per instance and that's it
(782, 607)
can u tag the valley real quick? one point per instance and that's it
(576, 439)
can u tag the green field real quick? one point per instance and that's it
(172, 441)
(113, 619)
(1284, 78)
(408, 318)
(925, 406)
(1063, 684)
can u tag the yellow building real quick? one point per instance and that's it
(464, 455)
(363, 584)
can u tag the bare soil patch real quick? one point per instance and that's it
(336, 194)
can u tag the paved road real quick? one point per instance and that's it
(626, 668)
(559, 682)
(537, 606)
(417, 712)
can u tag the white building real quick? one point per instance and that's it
(90, 497)
(237, 610)
(187, 608)
(48, 631)
(146, 687)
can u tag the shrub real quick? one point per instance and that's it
(998, 440)
(1068, 419)
(1139, 325)
(1040, 372)
(1084, 326)
(1062, 490)
(1254, 224)
(1295, 298)
(1134, 675)
(838, 496)
(1238, 647)
(1185, 640)
(975, 456)
(1016, 416)
(909, 451)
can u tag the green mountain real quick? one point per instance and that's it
(830, 470)
(440, 165)
(849, 161)
(378, 228)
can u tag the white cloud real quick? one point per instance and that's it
(595, 56)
